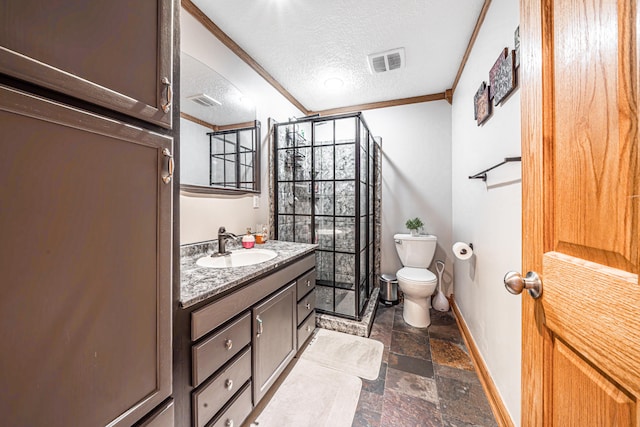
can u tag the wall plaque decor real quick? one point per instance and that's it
(504, 80)
(482, 105)
(495, 69)
(516, 50)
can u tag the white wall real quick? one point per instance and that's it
(416, 175)
(193, 143)
(201, 215)
(489, 215)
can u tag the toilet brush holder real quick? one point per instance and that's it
(440, 302)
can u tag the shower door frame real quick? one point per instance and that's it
(370, 194)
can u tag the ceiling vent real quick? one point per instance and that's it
(386, 61)
(204, 100)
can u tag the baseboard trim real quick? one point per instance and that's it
(495, 401)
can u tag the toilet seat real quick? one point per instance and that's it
(416, 275)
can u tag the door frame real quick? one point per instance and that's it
(533, 21)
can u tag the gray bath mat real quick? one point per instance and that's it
(312, 396)
(346, 353)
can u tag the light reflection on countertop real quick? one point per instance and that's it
(200, 283)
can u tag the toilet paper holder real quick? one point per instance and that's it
(464, 251)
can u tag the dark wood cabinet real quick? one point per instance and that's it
(86, 207)
(217, 338)
(116, 54)
(274, 339)
(85, 256)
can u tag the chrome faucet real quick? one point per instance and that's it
(223, 236)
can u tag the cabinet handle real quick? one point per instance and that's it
(166, 107)
(171, 167)
(229, 423)
(308, 283)
(308, 306)
(308, 328)
(228, 344)
(260, 329)
(228, 384)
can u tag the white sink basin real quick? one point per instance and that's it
(238, 258)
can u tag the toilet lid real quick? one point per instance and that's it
(416, 274)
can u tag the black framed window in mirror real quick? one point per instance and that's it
(235, 158)
(232, 161)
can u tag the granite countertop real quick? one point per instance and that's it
(200, 283)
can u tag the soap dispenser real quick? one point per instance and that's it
(248, 240)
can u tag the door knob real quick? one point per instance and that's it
(515, 283)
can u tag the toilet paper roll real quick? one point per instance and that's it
(462, 251)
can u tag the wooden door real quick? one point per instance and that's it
(581, 211)
(85, 263)
(114, 53)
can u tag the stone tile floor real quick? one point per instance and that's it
(426, 377)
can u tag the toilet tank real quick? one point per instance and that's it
(416, 251)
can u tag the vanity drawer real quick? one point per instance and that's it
(214, 352)
(235, 414)
(306, 329)
(306, 283)
(306, 305)
(209, 317)
(208, 400)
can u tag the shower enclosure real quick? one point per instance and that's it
(326, 176)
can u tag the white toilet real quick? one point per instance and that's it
(416, 282)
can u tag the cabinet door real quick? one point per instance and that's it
(274, 339)
(85, 313)
(114, 53)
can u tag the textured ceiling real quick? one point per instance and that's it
(302, 43)
(197, 78)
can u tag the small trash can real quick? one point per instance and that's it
(388, 289)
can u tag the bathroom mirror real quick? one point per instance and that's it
(219, 133)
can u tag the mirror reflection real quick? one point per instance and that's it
(219, 134)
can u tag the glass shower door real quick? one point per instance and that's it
(323, 196)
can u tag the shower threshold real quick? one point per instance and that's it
(360, 327)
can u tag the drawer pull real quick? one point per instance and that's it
(308, 328)
(260, 328)
(228, 344)
(167, 153)
(308, 306)
(229, 423)
(308, 283)
(228, 384)
(166, 106)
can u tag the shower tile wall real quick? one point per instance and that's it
(331, 198)
(377, 207)
(326, 193)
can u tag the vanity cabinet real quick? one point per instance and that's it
(116, 53)
(275, 337)
(240, 343)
